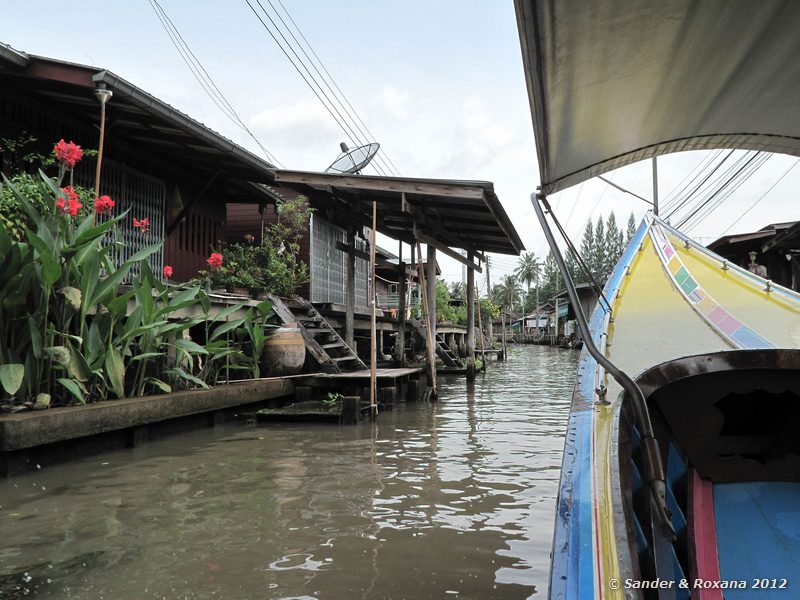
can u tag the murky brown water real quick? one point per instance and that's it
(446, 500)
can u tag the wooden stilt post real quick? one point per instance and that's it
(428, 332)
(503, 332)
(470, 321)
(480, 331)
(373, 378)
(400, 344)
(350, 291)
(430, 277)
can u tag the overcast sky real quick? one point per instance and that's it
(439, 84)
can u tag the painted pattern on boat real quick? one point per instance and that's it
(690, 301)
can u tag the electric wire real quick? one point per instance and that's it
(381, 154)
(693, 175)
(730, 187)
(753, 205)
(202, 76)
(699, 185)
(740, 165)
(329, 106)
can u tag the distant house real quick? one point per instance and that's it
(565, 311)
(158, 162)
(772, 251)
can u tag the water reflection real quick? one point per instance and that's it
(453, 499)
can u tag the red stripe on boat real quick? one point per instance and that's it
(703, 556)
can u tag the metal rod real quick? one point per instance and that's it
(653, 468)
(655, 186)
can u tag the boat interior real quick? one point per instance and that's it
(728, 429)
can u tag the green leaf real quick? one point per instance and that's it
(118, 306)
(74, 388)
(51, 270)
(264, 308)
(78, 366)
(11, 376)
(225, 312)
(115, 370)
(42, 401)
(146, 356)
(95, 345)
(189, 346)
(226, 327)
(162, 385)
(184, 296)
(191, 378)
(36, 337)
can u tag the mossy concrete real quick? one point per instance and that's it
(59, 434)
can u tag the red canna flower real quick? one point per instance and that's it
(143, 225)
(69, 203)
(103, 205)
(215, 260)
(67, 153)
(167, 271)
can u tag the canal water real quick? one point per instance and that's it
(447, 500)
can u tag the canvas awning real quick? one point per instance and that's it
(612, 82)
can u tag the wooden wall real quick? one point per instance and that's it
(189, 245)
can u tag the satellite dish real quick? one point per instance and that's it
(351, 162)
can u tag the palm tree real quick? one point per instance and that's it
(529, 270)
(507, 292)
(457, 290)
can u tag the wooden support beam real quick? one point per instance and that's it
(350, 291)
(400, 343)
(430, 277)
(426, 239)
(379, 184)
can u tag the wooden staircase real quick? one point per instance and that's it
(442, 349)
(322, 342)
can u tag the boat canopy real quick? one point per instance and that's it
(613, 82)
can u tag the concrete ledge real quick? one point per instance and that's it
(38, 428)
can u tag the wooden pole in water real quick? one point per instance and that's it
(470, 320)
(373, 377)
(480, 330)
(400, 344)
(427, 316)
(503, 331)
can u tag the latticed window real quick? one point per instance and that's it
(329, 265)
(144, 196)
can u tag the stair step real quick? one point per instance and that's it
(343, 358)
(334, 345)
(319, 330)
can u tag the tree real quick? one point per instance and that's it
(529, 270)
(588, 250)
(551, 280)
(601, 252)
(507, 293)
(614, 245)
(631, 230)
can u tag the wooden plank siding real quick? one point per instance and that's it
(190, 244)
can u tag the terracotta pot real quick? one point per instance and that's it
(284, 351)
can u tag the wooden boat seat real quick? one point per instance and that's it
(703, 558)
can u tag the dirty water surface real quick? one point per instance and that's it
(453, 499)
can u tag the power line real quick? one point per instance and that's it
(202, 76)
(329, 106)
(720, 196)
(297, 62)
(381, 154)
(673, 196)
(719, 190)
(699, 185)
(753, 205)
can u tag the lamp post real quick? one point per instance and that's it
(103, 96)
